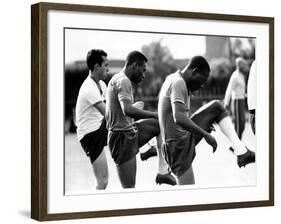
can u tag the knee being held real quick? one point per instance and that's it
(218, 106)
(218, 110)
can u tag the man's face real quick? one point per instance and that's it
(197, 80)
(243, 67)
(103, 69)
(138, 72)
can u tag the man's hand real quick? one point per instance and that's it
(155, 115)
(226, 106)
(139, 105)
(211, 141)
(253, 122)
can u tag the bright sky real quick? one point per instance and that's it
(119, 44)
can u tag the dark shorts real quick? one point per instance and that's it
(180, 153)
(94, 142)
(123, 145)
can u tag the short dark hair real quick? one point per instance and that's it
(135, 56)
(94, 56)
(200, 63)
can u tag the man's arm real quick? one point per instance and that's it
(252, 88)
(180, 118)
(133, 112)
(100, 107)
(228, 92)
(253, 121)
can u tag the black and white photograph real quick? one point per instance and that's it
(150, 111)
(136, 111)
(157, 111)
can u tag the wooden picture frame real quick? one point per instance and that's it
(39, 109)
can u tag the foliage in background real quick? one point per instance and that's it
(160, 64)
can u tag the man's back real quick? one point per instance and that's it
(119, 88)
(88, 118)
(173, 90)
(239, 86)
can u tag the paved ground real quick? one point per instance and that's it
(211, 170)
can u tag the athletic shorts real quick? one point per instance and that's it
(123, 145)
(180, 153)
(94, 142)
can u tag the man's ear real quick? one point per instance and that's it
(134, 64)
(96, 66)
(194, 71)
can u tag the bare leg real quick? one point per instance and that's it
(204, 117)
(163, 167)
(207, 115)
(215, 112)
(253, 120)
(127, 173)
(149, 128)
(186, 178)
(101, 171)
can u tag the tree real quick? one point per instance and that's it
(160, 64)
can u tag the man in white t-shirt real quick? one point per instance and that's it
(236, 93)
(90, 110)
(252, 95)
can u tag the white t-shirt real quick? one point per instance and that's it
(236, 87)
(252, 87)
(88, 118)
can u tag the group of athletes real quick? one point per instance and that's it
(108, 115)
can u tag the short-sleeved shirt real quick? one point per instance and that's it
(88, 117)
(173, 90)
(252, 87)
(119, 88)
(236, 87)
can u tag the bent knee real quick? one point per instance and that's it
(148, 126)
(217, 105)
(218, 110)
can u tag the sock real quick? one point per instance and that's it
(227, 128)
(163, 167)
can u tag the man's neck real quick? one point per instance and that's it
(185, 74)
(127, 72)
(239, 72)
(94, 77)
